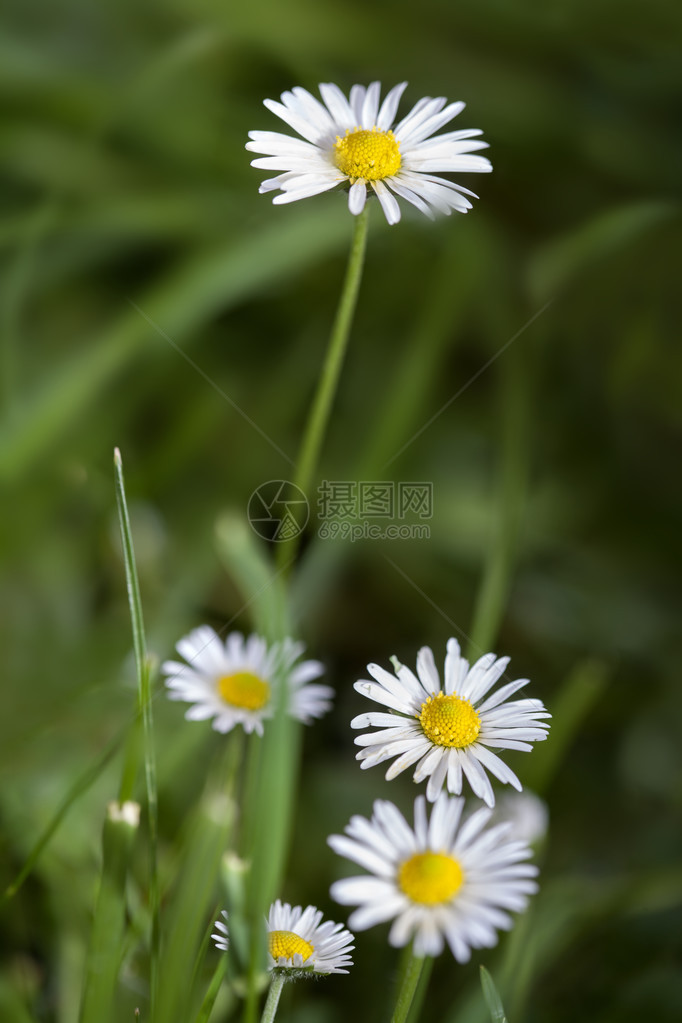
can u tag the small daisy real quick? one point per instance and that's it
(448, 731)
(236, 681)
(298, 942)
(222, 938)
(527, 814)
(352, 141)
(445, 880)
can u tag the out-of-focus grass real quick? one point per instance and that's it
(125, 181)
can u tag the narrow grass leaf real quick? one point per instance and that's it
(260, 585)
(106, 944)
(212, 991)
(144, 706)
(492, 998)
(191, 904)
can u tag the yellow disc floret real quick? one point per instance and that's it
(449, 720)
(244, 689)
(430, 878)
(370, 155)
(285, 945)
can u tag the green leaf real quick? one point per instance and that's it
(492, 998)
(106, 944)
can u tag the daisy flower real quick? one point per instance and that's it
(298, 942)
(448, 730)
(352, 141)
(237, 681)
(443, 881)
(222, 938)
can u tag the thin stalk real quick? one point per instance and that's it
(420, 993)
(408, 988)
(329, 378)
(276, 985)
(144, 704)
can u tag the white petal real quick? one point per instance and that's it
(389, 203)
(303, 193)
(357, 102)
(427, 670)
(423, 109)
(389, 107)
(495, 765)
(338, 105)
(406, 193)
(300, 124)
(429, 125)
(502, 694)
(381, 695)
(370, 107)
(356, 197)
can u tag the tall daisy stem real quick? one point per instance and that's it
(411, 975)
(329, 378)
(272, 1002)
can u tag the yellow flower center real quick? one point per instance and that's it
(371, 155)
(285, 945)
(430, 878)
(449, 721)
(244, 689)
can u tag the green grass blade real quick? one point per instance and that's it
(132, 583)
(260, 585)
(106, 944)
(212, 991)
(145, 712)
(191, 904)
(492, 998)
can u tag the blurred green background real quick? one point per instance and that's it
(126, 187)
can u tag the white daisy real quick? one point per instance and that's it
(351, 140)
(444, 879)
(237, 681)
(448, 731)
(298, 942)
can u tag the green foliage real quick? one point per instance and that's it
(152, 300)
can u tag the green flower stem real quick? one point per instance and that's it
(410, 980)
(276, 985)
(329, 378)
